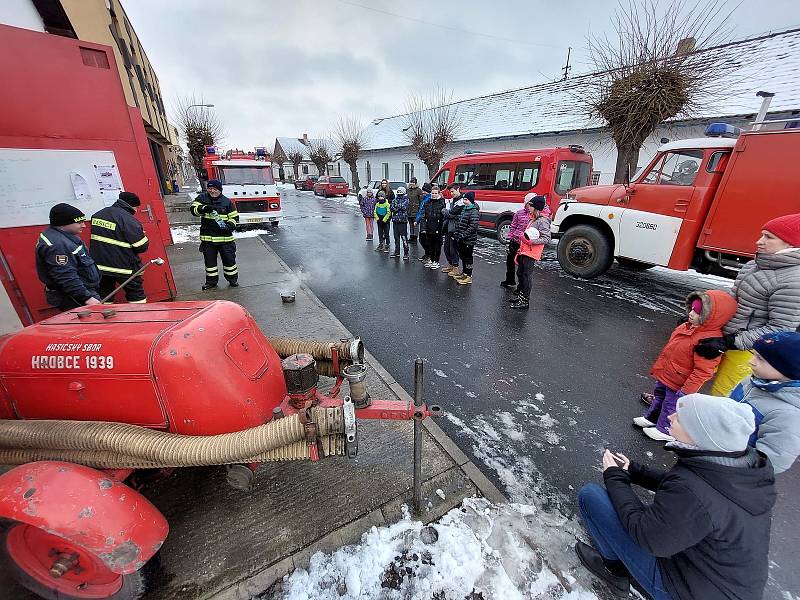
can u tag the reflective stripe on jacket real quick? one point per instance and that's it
(117, 239)
(218, 226)
(64, 266)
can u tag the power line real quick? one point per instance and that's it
(447, 27)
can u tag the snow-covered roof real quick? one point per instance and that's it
(290, 145)
(770, 62)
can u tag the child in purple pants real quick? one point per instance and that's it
(678, 370)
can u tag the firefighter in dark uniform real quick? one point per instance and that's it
(117, 241)
(68, 273)
(218, 220)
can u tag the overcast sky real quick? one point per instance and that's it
(284, 68)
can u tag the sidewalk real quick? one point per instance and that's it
(225, 544)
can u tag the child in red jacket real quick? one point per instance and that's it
(678, 370)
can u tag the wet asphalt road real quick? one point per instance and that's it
(532, 397)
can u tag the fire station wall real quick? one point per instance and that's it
(72, 100)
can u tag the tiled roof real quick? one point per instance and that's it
(769, 62)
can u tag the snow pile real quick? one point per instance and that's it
(478, 551)
(191, 233)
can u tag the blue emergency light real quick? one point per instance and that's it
(723, 130)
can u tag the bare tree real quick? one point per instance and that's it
(653, 68)
(199, 127)
(320, 154)
(432, 123)
(279, 158)
(349, 142)
(295, 157)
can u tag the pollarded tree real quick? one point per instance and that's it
(320, 154)
(653, 68)
(199, 126)
(295, 157)
(349, 142)
(432, 123)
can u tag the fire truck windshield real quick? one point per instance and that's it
(246, 175)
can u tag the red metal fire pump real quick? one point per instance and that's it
(91, 395)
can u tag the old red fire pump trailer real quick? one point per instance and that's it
(91, 395)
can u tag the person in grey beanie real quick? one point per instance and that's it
(706, 532)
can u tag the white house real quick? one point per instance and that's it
(549, 114)
(287, 145)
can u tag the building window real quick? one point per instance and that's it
(595, 177)
(305, 169)
(385, 168)
(94, 58)
(369, 172)
(408, 171)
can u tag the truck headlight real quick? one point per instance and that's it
(274, 205)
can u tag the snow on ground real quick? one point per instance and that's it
(191, 233)
(477, 551)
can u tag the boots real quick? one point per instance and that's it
(379, 247)
(613, 572)
(448, 268)
(464, 280)
(521, 303)
(209, 286)
(455, 273)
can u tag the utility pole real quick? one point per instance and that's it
(566, 68)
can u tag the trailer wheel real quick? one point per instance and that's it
(274, 224)
(634, 265)
(583, 251)
(503, 229)
(28, 554)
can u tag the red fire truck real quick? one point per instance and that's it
(698, 203)
(501, 180)
(248, 182)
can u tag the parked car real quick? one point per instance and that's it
(331, 186)
(305, 182)
(374, 185)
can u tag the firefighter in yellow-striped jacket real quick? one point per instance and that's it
(117, 240)
(218, 220)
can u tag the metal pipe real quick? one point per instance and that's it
(355, 376)
(418, 367)
(762, 112)
(155, 261)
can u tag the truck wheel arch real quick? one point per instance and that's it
(107, 518)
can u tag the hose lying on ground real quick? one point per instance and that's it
(148, 445)
(349, 351)
(332, 445)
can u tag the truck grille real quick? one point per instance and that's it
(251, 206)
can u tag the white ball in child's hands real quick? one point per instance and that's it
(531, 233)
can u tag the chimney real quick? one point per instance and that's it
(686, 45)
(305, 139)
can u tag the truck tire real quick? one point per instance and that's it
(502, 228)
(583, 251)
(23, 556)
(633, 265)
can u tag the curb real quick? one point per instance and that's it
(261, 581)
(487, 489)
